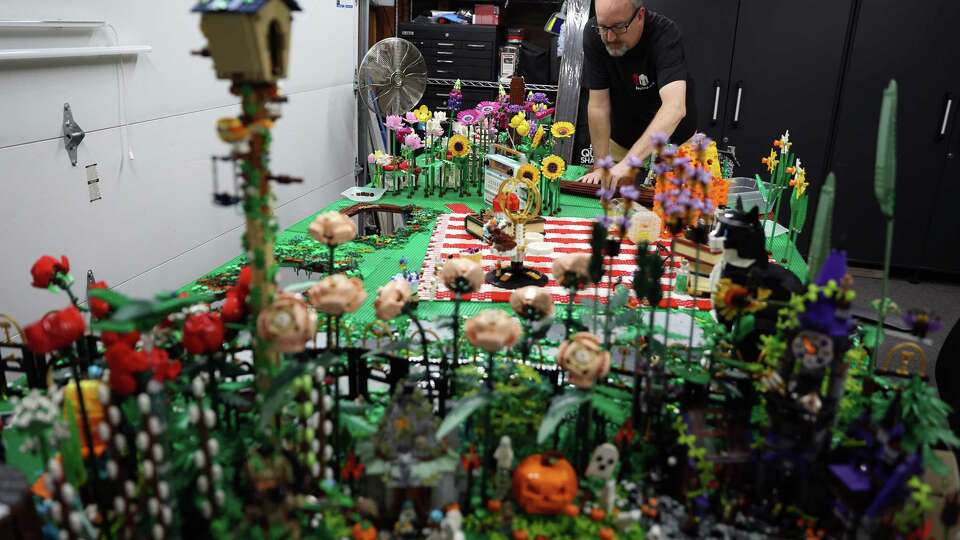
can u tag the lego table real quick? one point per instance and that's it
(378, 266)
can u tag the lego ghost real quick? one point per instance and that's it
(603, 462)
(452, 524)
(504, 454)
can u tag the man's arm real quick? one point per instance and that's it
(598, 116)
(672, 110)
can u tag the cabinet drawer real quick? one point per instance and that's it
(477, 45)
(456, 54)
(474, 73)
(453, 62)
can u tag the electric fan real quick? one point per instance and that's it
(392, 77)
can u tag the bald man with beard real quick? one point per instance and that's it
(635, 70)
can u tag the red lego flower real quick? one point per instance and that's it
(112, 338)
(244, 280)
(471, 460)
(125, 363)
(626, 434)
(99, 308)
(55, 330)
(164, 369)
(352, 469)
(203, 333)
(233, 308)
(46, 268)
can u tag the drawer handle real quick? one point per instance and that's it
(736, 110)
(716, 99)
(444, 61)
(476, 46)
(442, 71)
(442, 95)
(946, 116)
(443, 44)
(445, 53)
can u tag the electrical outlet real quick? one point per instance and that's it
(93, 182)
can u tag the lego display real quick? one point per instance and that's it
(476, 354)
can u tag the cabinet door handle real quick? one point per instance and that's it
(716, 100)
(736, 109)
(946, 115)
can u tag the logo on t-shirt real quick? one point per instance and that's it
(641, 82)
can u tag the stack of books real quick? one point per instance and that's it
(701, 262)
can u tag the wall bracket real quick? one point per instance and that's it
(72, 134)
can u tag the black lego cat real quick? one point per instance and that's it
(746, 263)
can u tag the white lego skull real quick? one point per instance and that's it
(603, 462)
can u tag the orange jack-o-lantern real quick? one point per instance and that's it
(544, 484)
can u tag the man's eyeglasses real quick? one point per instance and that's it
(618, 29)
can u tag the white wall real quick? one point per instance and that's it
(155, 227)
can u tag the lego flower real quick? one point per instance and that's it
(528, 172)
(111, 338)
(333, 228)
(462, 275)
(771, 161)
(412, 142)
(440, 116)
(234, 307)
(518, 120)
(125, 365)
(731, 299)
(562, 130)
(423, 113)
(523, 129)
(922, 322)
(532, 303)
(411, 117)
(572, 270)
(553, 166)
(98, 308)
(492, 330)
(391, 298)
(583, 359)
(56, 330)
(394, 122)
(433, 128)
(337, 294)
(162, 367)
(469, 117)
(289, 323)
(203, 333)
(458, 146)
(487, 108)
(537, 137)
(46, 268)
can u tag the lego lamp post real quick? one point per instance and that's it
(249, 42)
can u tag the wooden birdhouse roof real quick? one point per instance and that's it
(238, 6)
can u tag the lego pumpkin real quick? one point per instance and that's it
(544, 484)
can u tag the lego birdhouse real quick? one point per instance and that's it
(249, 40)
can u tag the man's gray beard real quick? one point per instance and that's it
(616, 51)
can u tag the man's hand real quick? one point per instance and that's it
(592, 177)
(621, 172)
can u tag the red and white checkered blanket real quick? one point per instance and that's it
(565, 235)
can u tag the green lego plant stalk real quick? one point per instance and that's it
(822, 224)
(885, 176)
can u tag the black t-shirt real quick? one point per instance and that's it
(635, 79)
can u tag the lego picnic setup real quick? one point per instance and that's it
(464, 349)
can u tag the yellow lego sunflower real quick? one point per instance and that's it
(528, 172)
(553, 167)
(537, 137)
(458, 146)
(423, 113)
(562, 130)
(731, 299)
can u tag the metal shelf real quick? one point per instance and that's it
(491, 84)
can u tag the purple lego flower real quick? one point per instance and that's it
(623, 223)
(606, 194)
(700, 142)
(468, 117)
(454, 100)
(605, 221)
(834, 268)
(488, 107)
(922, 322)
(634, 162)
(412, 142)
(659, 139)
(514, 109)
(703, 176)
(629, 192)
(538, 97)
(660, 168)
(605, 162)
(394, 122)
